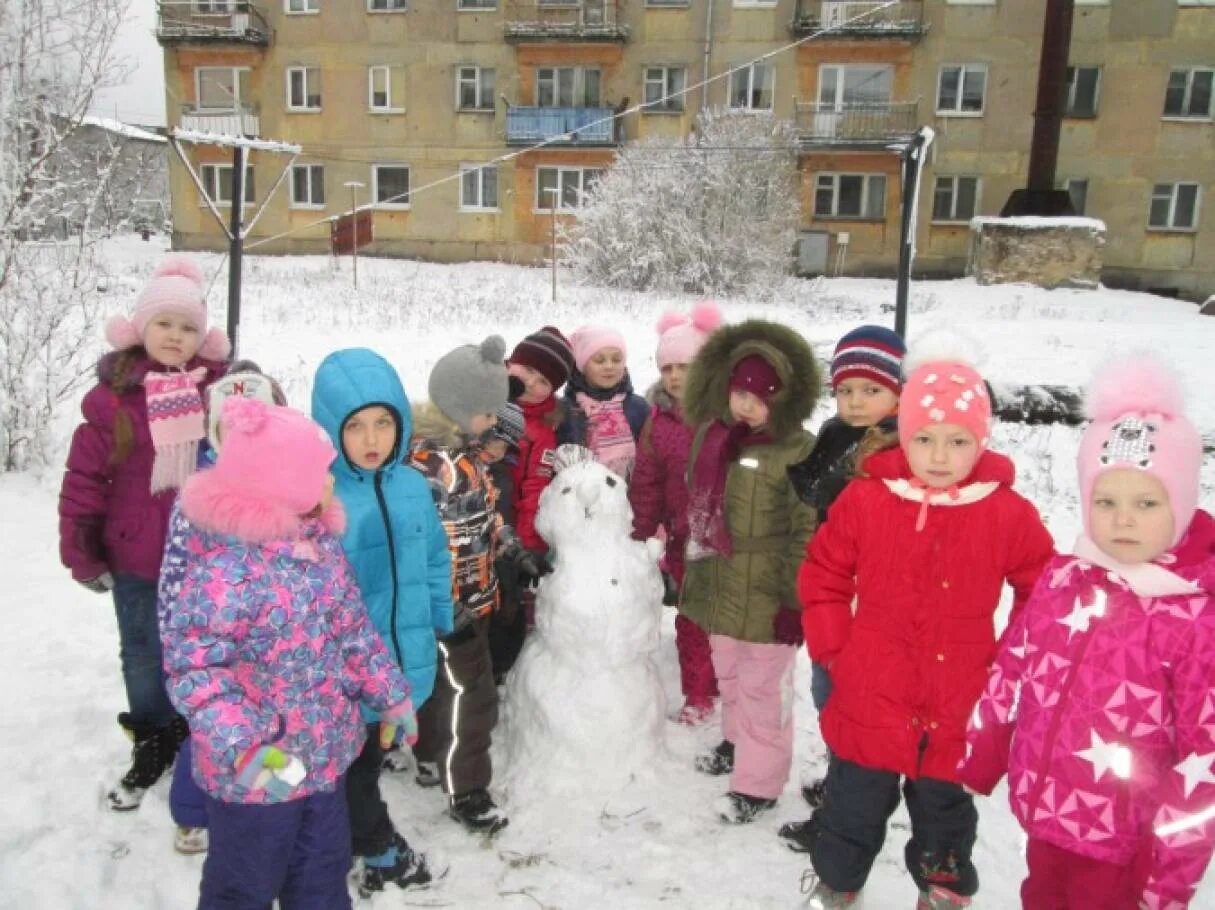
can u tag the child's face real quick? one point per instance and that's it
(368, 437)
(862, 402)
(482, 422)
(605, 368)
(535, 387)
(171, 339)
(943, 454)
(673, 376)
(747, 407)
(494, 450)
(1129, 515)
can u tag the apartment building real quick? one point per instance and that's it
(410, 98)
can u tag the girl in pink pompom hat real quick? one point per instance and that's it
(143, 422)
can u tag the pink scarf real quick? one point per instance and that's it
(176, 420)
(608, 433)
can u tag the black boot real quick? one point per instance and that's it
(477, 811)
(719, 761)
(151, 755)
(400, 865)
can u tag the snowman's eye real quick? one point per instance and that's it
(611, 481)
(566, 490)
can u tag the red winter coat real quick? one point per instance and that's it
(534, 469)
(1112, 697)
(658, 490)
(907, 669)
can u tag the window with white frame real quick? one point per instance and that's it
(474, 88)
(220, 88)
(301, 7)
(663, 85)
(858, 196)
(303, 88)
(567, 86)
(1077, 191)
(478, 187)
(385, 6)
(1083, 88)
(754, 3)
(1174, 207)
(844, 86)
(390, 185)
(955, 199)
(961, 89)
(970, 2)
(476, 4)
(1189, 93)
(667, 2)
(213, 7)
(751, 87)
(217, 182)
(307, 186)
(379, 90)
(567, 184)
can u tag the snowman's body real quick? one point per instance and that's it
(584, 705)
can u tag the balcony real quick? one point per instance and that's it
(564, 21)
(859, 19)
(211, 22)
(869, 125)
(578, 126)
(242, 121)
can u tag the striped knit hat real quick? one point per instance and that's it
(869, 352)
(548, 352)
(510, 426)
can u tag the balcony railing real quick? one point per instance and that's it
(564, 20)
(574, 125)
(873, 124)
(211, 22)
(242, 121)
(859, 19)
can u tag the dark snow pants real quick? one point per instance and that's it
(297, 852)
(187, 801)
(371, 828)
(850, 828)
(465, 700)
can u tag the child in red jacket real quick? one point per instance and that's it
(924, 540)
(1106, 676)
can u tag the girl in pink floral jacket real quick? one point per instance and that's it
(268, 650)
(1101, 703)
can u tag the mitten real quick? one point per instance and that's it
(101, 584)
(270, 769)
(787, 627)
(670, 590)
(531, 567)
(399, 724)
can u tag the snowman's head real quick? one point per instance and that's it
(584, 502)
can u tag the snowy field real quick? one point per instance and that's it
(655, 845)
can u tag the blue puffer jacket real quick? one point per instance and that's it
(393, 535)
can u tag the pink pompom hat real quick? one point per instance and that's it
(681, 336)
(177, 286)
(1138, 422)
(944, 386)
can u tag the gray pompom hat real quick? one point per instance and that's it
(470, 380)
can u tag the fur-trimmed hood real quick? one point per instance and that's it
(211, 504)
(661, 399)
(707, 389)
(432, 426)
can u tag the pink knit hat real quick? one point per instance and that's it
(273, 454)
(680, 336)
(1138, 422)
(942, 386)
(590, 339)
(177, 286)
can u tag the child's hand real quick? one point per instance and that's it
(787, 627)
(101, 584)
(270, 769)
(531, 566)
(399, 723)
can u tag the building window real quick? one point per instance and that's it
(567, 86)
(217, 182)
(303, 88)
(307, 186)
(385, 6)
(843, 86)
(663, 87)
(213, 7)
(970, 2)
(478, 187)
(1189, 93)
(859, 196)
(379, 90)
(754, 3)
(960, 89)
(476, 4)
(390, 185)
(955, 199)
(751, 87)
(220, 88)
(1077, 190)
(299, 7)
(568, 184)
(1083, 87)
(660, 3)
(474, 88)
(1174, 207)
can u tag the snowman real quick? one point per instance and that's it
(584, 704)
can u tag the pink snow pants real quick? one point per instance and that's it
(1062, 880)
(756, 683)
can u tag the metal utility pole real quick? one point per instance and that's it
(354, 186)
(236, 243)
(555, 199)
(913, 164)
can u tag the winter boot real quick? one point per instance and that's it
(798, 836)
(939, 898)
(396, 761)
(719, 761)
(190, 841)
(399, 865)
(814, 792)
(824, 898)
(428, 774)
(739, 808)
(696, 710)
(151, 755)
(477, 812)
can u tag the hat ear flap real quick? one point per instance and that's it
(215, 346)
(120, 333)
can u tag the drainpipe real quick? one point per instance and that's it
(704, 91)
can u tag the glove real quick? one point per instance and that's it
(531, 567)
(399, 724)
(670, 590)
(101, 584)
(787, 627)
(270, 769)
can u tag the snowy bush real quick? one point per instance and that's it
(714, 213)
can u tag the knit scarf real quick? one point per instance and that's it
(608, 433)
(176, 420)
(1146, 579)
(708, 529)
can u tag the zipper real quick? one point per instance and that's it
(392, 566)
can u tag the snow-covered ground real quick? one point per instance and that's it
(656, 845)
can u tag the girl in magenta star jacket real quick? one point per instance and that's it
(1101, 703)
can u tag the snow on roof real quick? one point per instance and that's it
(121, 129)
(1038, 221)
(261, 145)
